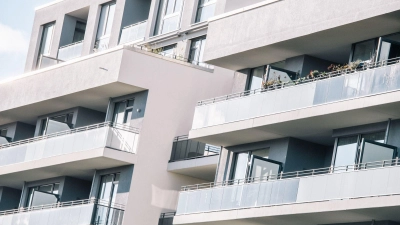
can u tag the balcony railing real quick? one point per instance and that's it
(369, 79)
(133, 32)
(166, 218)
(115, 136)
(170, 56)
(68, 213)
(353, 181)
(185, 149)
(70, 51)
(101, 44)
(46, 61)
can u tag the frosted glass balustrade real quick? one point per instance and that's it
(358, 84)
(352, 184)
(75, 142)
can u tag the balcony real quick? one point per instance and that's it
(102, 135)
(305, 189)
(250, 109)
(70, 51)
(46, 61)
(68, 213)
(134, 32)
(193, 158)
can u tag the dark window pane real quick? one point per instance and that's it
(3, 133)
(377, 137)
(374, 153)
(364, 51)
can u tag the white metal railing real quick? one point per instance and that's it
(296, 174)
(72, 131)
(62, 205)
(70, 51)
(133, 32)
(321, 76)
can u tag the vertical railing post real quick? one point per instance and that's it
(281, 175)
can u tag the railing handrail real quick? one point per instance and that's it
(365, 66)
(64, 204)
(76, 130)
(297, 174)
(132, 25)
(167, 215)
(75, 43)
(171, 56)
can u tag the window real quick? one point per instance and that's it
(168, 51)
(105, 25)
(45, 41)
(107, 194)
(364, 51)
(79, 33)
(362, 148)
(3, 132)
(197, 51)
(123, 111)
(205, 10)
(47, 128)
(169, 16)
(254, 164)
(43, 195)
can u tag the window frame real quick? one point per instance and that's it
(126, 108)
(193, 46)
(359, 147)
(201, 6)
(40, 54)
(162, 13)
(45, 122)
(106, 20)
(29, 198)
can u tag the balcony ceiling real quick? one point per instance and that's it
(330, 44)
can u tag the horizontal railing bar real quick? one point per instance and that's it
(365, 66)
(297, 174)
(76, 130)
(65, 204)
(132, 25)
(75, 43)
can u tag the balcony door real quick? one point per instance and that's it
(105, 24)
(45, 42)
(106, 212)
(123, 111)
(254, 164)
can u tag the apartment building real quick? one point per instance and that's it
(205, 112)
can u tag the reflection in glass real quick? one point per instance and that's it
(364, 51)
(240, 168)
(263, 167)
(346, 151)
(256, 78)
(374, 152)
(197, 51)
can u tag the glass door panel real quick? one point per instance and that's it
(256, 78)
(240, 168)
(346, 151)
(373, 153)
(261, 167)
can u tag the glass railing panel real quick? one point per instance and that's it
(3, 140)
(184, 148)
(65, 142)
(101, 44)
(71, 51)
(55, 126)
(133, 32)
(363, 182)
(285, 97)
(46, 61)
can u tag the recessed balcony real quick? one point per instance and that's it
(193, 158)
(70, 51)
